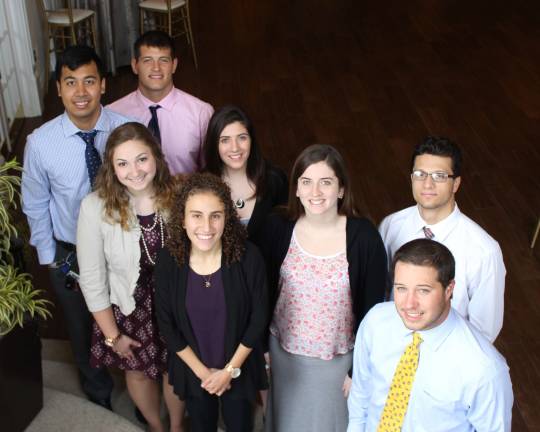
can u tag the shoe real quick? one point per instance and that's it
(105, 403)
(140, 416)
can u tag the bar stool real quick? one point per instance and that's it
(67, 26)
(166, 16)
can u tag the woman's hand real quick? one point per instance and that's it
(218, 382)
(267, 362)
(123, 346)
(347, 386)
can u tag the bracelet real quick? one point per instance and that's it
(111, 342)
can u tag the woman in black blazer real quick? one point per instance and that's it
(211, 306)
(231, 152)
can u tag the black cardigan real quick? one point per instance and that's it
(246, 300)
(366, 256)
(275, 193)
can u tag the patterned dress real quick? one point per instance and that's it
(140, 325)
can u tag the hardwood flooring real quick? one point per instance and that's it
(373, 78)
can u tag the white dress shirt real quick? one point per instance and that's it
(480, 272)
(462, 383)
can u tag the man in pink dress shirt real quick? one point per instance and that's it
(176, 118)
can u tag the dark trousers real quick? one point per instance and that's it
(96, 383)
(204, 413)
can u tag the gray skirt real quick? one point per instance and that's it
(305, 392)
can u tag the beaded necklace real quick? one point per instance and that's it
(157, 217)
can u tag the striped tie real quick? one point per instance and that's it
(397, 400)
(428, 233)
(93, 161)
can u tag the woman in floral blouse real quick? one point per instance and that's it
(327, 268)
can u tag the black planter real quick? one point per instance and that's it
(21, 380)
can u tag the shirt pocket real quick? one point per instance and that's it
(438, 411)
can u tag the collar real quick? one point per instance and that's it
(433, 338)
(441, 229)
(166, 103)
(69, 128)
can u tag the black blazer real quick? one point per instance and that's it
(366, 256)
(246, 302)
(275, 193)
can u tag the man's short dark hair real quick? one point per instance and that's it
(154, 38)
(428, 253)
(76, 56)
(440, 146)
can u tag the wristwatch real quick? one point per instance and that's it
(235, 372)
(111, 342)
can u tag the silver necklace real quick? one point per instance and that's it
(207, 280)
(239, 203)
(157, 217)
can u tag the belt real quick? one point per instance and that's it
(70, 247)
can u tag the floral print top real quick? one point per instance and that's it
(313, 315)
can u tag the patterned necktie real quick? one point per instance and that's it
(93, 161)
(153, 125)
(398, 396)
(428, 233)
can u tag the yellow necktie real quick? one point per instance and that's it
(400, 390)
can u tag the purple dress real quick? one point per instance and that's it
(140, 325)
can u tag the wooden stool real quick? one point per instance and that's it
(166, 14)
(63, 26)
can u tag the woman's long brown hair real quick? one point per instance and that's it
(114, 193)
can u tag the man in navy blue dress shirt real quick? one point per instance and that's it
(461, 382)
(60, 162)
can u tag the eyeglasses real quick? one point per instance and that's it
(437, 176)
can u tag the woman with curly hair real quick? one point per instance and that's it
(121, 228)
(231, 152)
(327, 268)
(211, 305)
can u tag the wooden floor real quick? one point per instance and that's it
(373, 78)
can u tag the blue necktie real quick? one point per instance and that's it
(93, 161)
(153, 125)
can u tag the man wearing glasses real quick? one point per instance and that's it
(436, 176)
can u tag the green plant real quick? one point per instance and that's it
(9, 184)
(18, 297)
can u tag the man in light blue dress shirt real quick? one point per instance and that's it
(55, 180)
(461, 384)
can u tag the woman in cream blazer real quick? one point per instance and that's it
(120, 231)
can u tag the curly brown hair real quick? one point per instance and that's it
(234, 233)
(114, 193)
